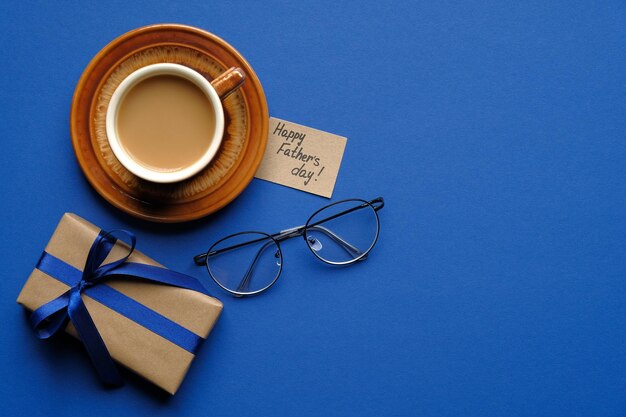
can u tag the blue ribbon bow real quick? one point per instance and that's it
(53, 316)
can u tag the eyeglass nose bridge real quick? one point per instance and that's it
(289, 233)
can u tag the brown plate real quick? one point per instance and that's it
(230, 171)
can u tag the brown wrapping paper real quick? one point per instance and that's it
(131, 345)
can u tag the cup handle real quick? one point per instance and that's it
(228, 81)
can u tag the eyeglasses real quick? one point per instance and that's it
(248, 263)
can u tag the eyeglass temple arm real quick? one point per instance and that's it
(200, 259)
(243, 285)
(377, 203)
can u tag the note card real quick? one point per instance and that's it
(301, 157)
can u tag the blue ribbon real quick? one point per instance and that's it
(53, 316)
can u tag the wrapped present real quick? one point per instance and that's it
(120, 303)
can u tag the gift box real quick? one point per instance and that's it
(150, 328)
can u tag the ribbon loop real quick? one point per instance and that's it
(52, 317)
(100, 249)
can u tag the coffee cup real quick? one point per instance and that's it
(165, 122)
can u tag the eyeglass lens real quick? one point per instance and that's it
(245, 263)
(342, 232)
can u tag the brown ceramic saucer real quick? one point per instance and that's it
(229, 172)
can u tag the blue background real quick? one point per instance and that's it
(495, 132)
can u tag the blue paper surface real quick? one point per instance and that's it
(495, 132)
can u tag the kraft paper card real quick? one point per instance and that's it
(301, 157)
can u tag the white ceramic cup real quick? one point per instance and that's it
(221, 86)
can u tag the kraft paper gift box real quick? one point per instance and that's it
(130, 344)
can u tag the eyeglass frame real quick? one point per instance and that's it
(376, 204)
